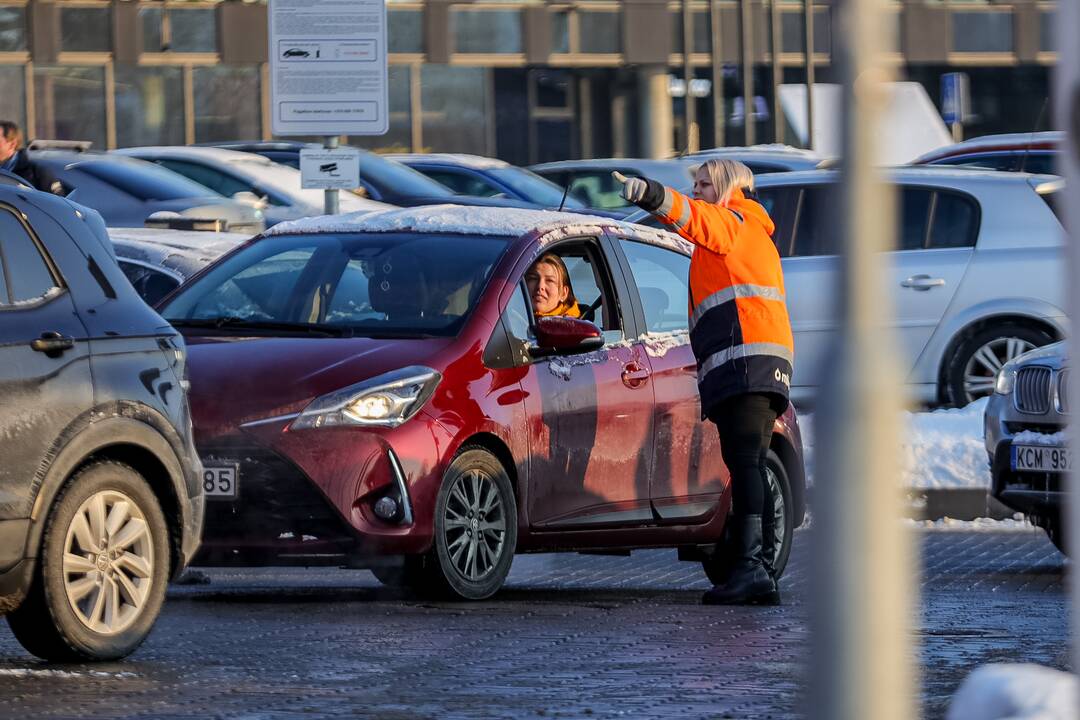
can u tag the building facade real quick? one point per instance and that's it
(525, 80)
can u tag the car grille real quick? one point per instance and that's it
(1033, 390)
(1063, 391)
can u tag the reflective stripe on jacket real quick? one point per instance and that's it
(739, 326)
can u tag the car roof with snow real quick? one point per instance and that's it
(476, 162)
(181, 253)
(215, 154)
(463, 220)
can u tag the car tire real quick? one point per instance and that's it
(718, 566)
(475, 509)
(90, 601)
(973, 366)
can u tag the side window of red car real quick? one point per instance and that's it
(590, 286)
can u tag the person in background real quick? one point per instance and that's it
(15, 159)
(549, 288)
(741, 337)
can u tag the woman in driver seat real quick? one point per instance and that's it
(549, 288)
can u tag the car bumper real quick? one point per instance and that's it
(307, 497)
(1032, 493)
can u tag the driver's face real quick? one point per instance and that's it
(546, 288)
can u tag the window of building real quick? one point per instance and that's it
(192, 30)
(455, 104)
(560, 32)
(701, 29)
(147, 104)
(662, 278)
(227, 103)
(406, 31)
(70, 102)
(600, 32)
(151, 19)
(1047, 30)
(20, 252)
(982, 32)
(85, 29)
(486, 31)
(13, 90)
(12, 29)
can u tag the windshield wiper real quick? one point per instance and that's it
(228, 322)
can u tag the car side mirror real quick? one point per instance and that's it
(559, 335)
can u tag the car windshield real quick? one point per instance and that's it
(144, 181)
(535, 188)
(374, 285)
(389, 174)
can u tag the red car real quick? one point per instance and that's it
(375, 391)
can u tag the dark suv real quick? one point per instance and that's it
(101, 497)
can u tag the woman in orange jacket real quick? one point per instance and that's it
(741, 337)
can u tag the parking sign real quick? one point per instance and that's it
(328, 67)
(954, 97)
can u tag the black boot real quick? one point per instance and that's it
(750, 583)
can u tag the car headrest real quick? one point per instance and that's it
(397, 287)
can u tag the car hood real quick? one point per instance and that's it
(237, 380)
(1055, 355)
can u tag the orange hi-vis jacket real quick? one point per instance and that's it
(739, 326)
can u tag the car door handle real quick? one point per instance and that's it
(922, 282)
(634, 375)
(52, 344)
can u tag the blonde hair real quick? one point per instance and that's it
(726, 177)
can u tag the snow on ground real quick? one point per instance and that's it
(940, 449)
(1016, 692)
(1015, 524)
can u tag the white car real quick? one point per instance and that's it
(978, 276)
(242, 175)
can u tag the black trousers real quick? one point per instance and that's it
(745, 423)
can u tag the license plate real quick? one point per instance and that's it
(1040, 458)
(220, 481)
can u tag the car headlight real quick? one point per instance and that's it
(385, 401)
(1006, 380)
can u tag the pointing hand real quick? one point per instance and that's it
(633, 188)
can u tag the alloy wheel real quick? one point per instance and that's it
(475, 525)
(982, 367)
(779, 510)
(108, 562)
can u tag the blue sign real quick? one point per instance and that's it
(954, 95)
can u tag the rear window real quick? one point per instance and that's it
(145, 182)
(367, 285)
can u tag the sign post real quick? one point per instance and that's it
(328, 77)
(955, 102)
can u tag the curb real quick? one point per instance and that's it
(938, 503)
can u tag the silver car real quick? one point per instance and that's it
(1025, 437)
(977, 277)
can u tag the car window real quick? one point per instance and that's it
(518, 315)
(152, 285)
(981, 162)
(591, 286)
(144, 181)
(662, 279)
(464, 183)
(955, 221)
(28, 275)
(781, 203)
(1039, 163)
(217, 181)
(598, 189)
(379, 284)
(914, 214)
(534, 188)
(814, 234)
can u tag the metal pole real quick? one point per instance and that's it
(717, 74)
(863, 582)
(777, 48)
(808, 26)
(330, 207)
(1067, 111)
(690, 106)
(746, 44)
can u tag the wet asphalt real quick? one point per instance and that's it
(570, 636)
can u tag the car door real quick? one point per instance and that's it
(590, 415)
(935, 243)
(687, 481)
(45, 380)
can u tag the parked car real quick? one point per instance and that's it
(157, 261)
(101, 485)
(977, 278)
(489, 177)
(126, 191)
(590, 180)
(380, 177)
(1025, 426)
(1014, 152)
(275, 188)
(376, 388)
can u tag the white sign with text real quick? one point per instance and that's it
(329, 169)
(328, 67)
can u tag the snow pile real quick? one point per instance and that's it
(658, 344)
(940, 449)
(1030, 437)
(1015, 524)
(43, 672)
(1016, 692)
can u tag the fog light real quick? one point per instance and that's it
(386, 508)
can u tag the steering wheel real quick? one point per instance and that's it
(590, 312)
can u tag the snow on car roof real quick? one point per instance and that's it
(477, 162)
(214, 153)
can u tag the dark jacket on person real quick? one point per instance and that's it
(36, 174)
